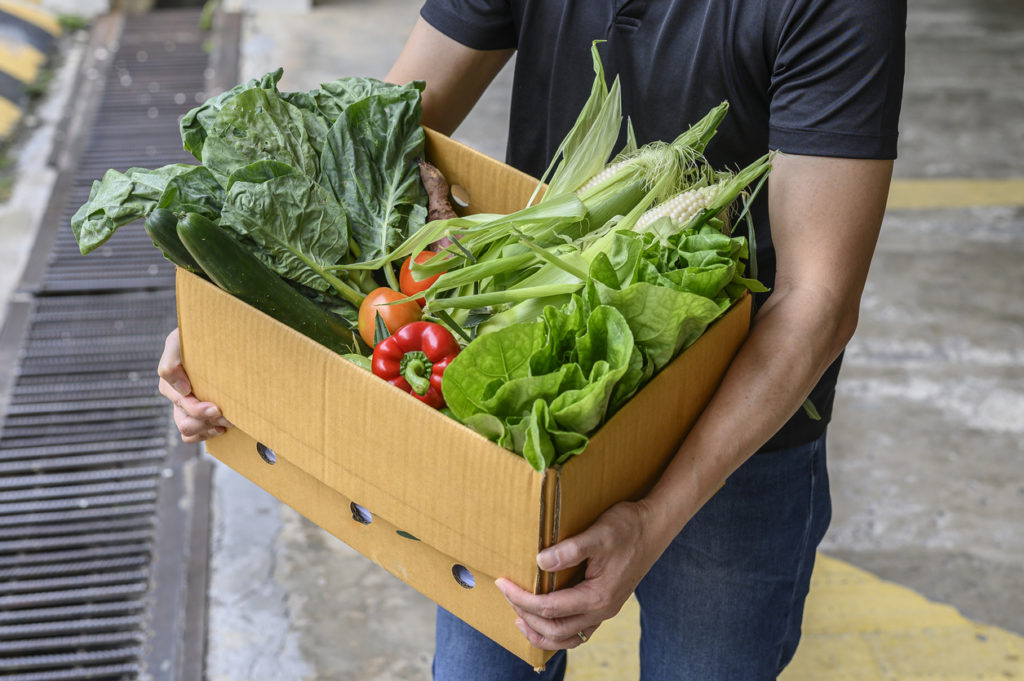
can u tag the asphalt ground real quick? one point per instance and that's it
(923, 562)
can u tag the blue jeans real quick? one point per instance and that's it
(724, 602)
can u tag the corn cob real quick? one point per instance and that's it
(605, 174)
(682, 207)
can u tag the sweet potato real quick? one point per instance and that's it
(439, 206)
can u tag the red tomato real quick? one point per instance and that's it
(394, 316)
(409, 285)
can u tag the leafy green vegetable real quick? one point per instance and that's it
(332, 98)
(120, 198)
(259, 172)
(539, 388)
(663, 320)
(196, 191)
(369, 163)
(261, 153)
(256, 125)
(493, 360)
(603, 355)
(703, 261)
(196, 123)
(299, 226)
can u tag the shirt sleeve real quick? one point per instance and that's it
(479, 24)
(837, 80)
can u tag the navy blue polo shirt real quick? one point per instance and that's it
(813, 77)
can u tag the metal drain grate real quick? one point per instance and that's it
(78, 497)
(92, 486)
(157, 75)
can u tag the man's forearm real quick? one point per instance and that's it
(793, 340)
(455, 75)
(826, 214)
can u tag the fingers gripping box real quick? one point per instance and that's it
(437, 505)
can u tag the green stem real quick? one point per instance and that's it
(415, 369)
(346, 291)
(362, 280)
(389, 274)
(512, 295)
(445, 317)
(554, 260)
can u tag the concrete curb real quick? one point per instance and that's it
(27, 37)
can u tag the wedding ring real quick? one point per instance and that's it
(583, 637)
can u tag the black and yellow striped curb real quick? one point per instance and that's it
(27, 35)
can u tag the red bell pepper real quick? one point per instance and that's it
(414, 359)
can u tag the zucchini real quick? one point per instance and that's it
(161, 225)
(236, 270)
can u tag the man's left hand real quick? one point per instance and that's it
(617, 552)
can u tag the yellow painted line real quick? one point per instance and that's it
(857, 627)
(10, 114)
(21, 61)
(33, 15)
(955, 193)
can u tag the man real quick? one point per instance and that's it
(721, 577)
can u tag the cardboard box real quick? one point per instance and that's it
(448, 510)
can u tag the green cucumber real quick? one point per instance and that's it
(162, 227)
(233, 268)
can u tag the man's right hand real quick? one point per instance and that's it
(196, 420)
